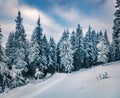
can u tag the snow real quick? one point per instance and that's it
(81, 84)
(38, 73)
(103, 51)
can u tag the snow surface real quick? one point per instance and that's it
(81, 84)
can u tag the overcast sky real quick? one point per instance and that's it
(57, 15)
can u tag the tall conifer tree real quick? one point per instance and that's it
(20, 44)
(79, 52)
(37, 57)
(116, 33)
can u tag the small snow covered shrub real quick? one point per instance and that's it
(38, 74)
(102, 76)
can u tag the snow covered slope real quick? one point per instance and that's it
(81, 84)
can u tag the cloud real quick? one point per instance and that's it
(8, 7)
(70, 16)
(100, 20)
(30, 16)
(98, 2)
(50, 27)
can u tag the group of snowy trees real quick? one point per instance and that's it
(21, 58)
(76, 51)
(70, 54)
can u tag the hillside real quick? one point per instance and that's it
(81, 84)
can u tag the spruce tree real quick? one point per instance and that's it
(66, 53)
(79, 52)
(46, 47)
(108, 44)
(10, 49)
(58, 58)
(1, 50)
(53, 52)
(59, 66)
(90, 48)
(116, 33)
(37, 56)
(2, 53)
(103, 51)
(100, 36)
(106, 38)
(20, 44)
(4, 72)
(72, 39)
(113, 51)
(94, 49)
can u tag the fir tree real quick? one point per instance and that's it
(116, 33)
(2, 53)
(37, 56)
(108, 44)
(10, 49)
(59, 66)
(90, 48)
(106, 38)
(99, 35)
(66, 53)
(1, 50)
(72, 39)
(4, 80)
(53, 52)
(79, 52)
(103, 51)
(46, 48)
(94, 49)
(113, 51)
(20, 44)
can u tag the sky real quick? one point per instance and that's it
(57, 16)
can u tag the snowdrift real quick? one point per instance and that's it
(81, 84)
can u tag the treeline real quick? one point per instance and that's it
(72, 52)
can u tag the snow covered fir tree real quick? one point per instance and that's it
(115, 46)
(90, 49)
(78, 48)
(66, 53)
(37, 57)
(23, 60)
(103, 51)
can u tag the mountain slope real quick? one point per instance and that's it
(81, 84)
